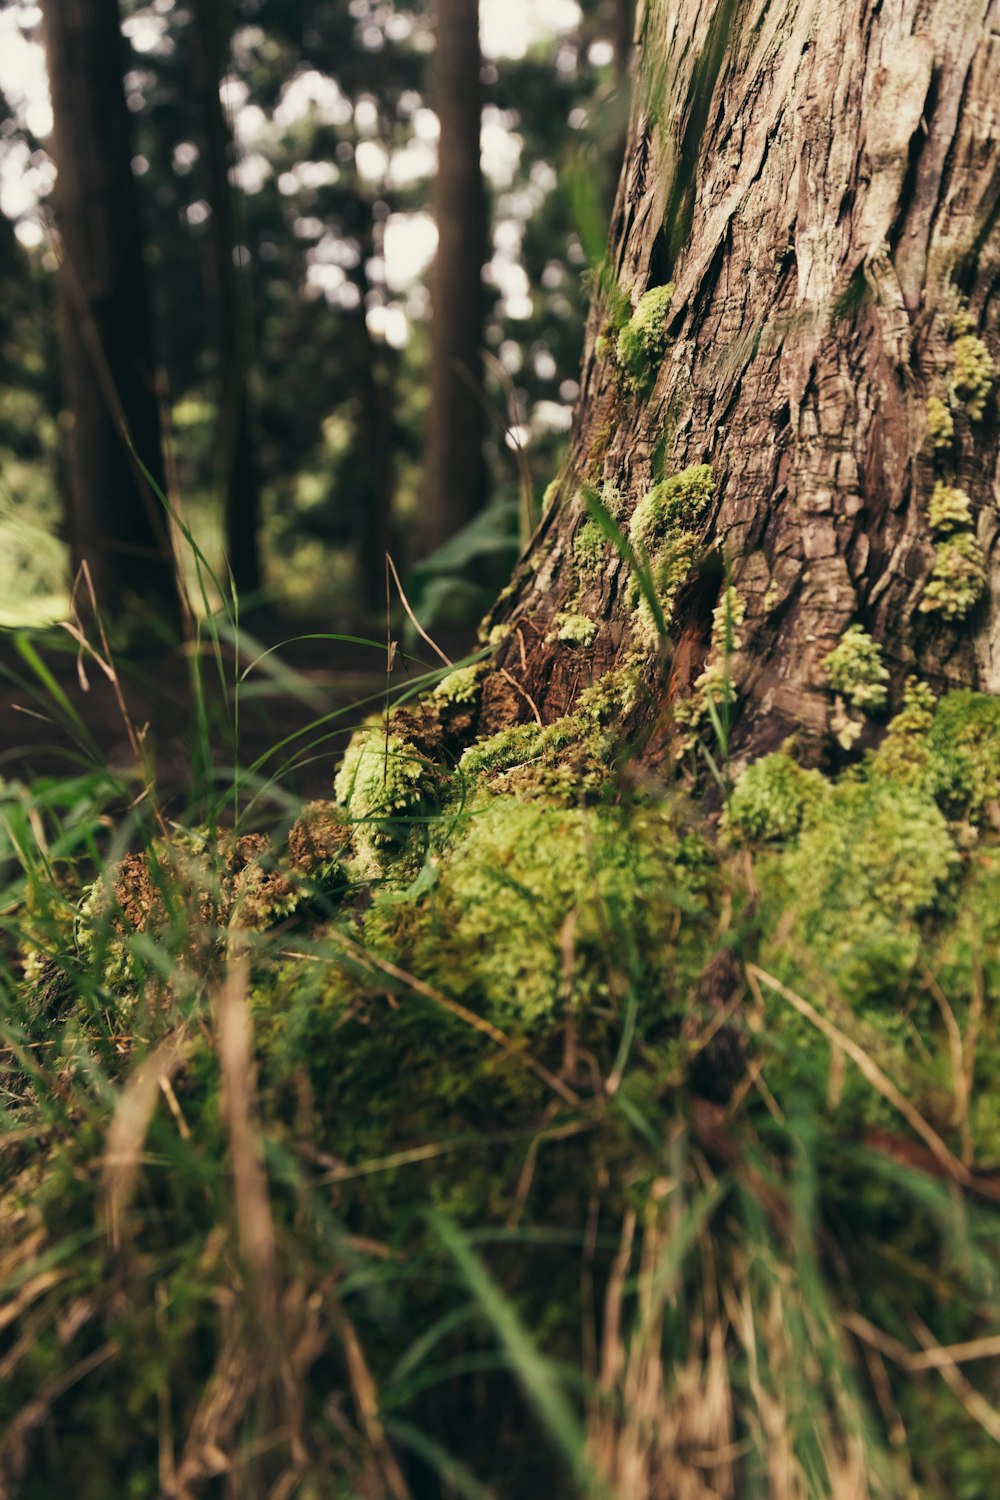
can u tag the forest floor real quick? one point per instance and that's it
(310, 673)
(517, 1126)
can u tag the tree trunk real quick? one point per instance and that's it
(237, 470)
(115, 520)
(820, 182)
(454, 472)
(374, 461)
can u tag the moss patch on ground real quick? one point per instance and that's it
(323, 1146)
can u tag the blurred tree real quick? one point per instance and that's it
(227, 285)
(115, 520)
(454, 468)
(331, 156)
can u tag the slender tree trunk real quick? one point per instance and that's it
(820, 181)
(454, 472)
(373, 457)
(238, 480)
(372, 453)
(115, 521)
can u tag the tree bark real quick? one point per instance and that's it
(454, 471)
(237, 470)
(115, 521)
(821, 184)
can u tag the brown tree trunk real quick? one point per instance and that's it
(454, 472)
(372, 457)
(115, 520)
(820, 181)
(237, 471)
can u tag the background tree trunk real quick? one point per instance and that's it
(237, 470)
(115, 520)
(821, 183)
(454, 473)
(372, 457)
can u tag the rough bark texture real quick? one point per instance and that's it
(115, 520)
(821, 183)
(454, 472)
(237, 469)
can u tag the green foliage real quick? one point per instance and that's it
(508, 747)
(460, 579)
(674, 562)
(854, 669)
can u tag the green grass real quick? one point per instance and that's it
(525, 1132)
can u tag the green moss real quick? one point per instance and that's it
(642, 341)
(519, 874)
(773, 797)
(495, 636)
(876, 859)
(940, 424)
(382, 785)
(508, 747)
(614, 695)
(950, 750)
(590, 547)
(613, 498)
(611, 942)
(903, 754)
(661, 530)
(460, 686)
(965, 960)
(973, 373)
(727, 618)
(674, 505)
(675, 560)
(854, 670)
(949, 510)
(963, 744)
(958, 578)
(575, 630)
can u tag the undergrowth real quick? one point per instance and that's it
(503, 1125)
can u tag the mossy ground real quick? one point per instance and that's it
(510, 1122)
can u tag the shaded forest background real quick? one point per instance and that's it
(285, 160)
